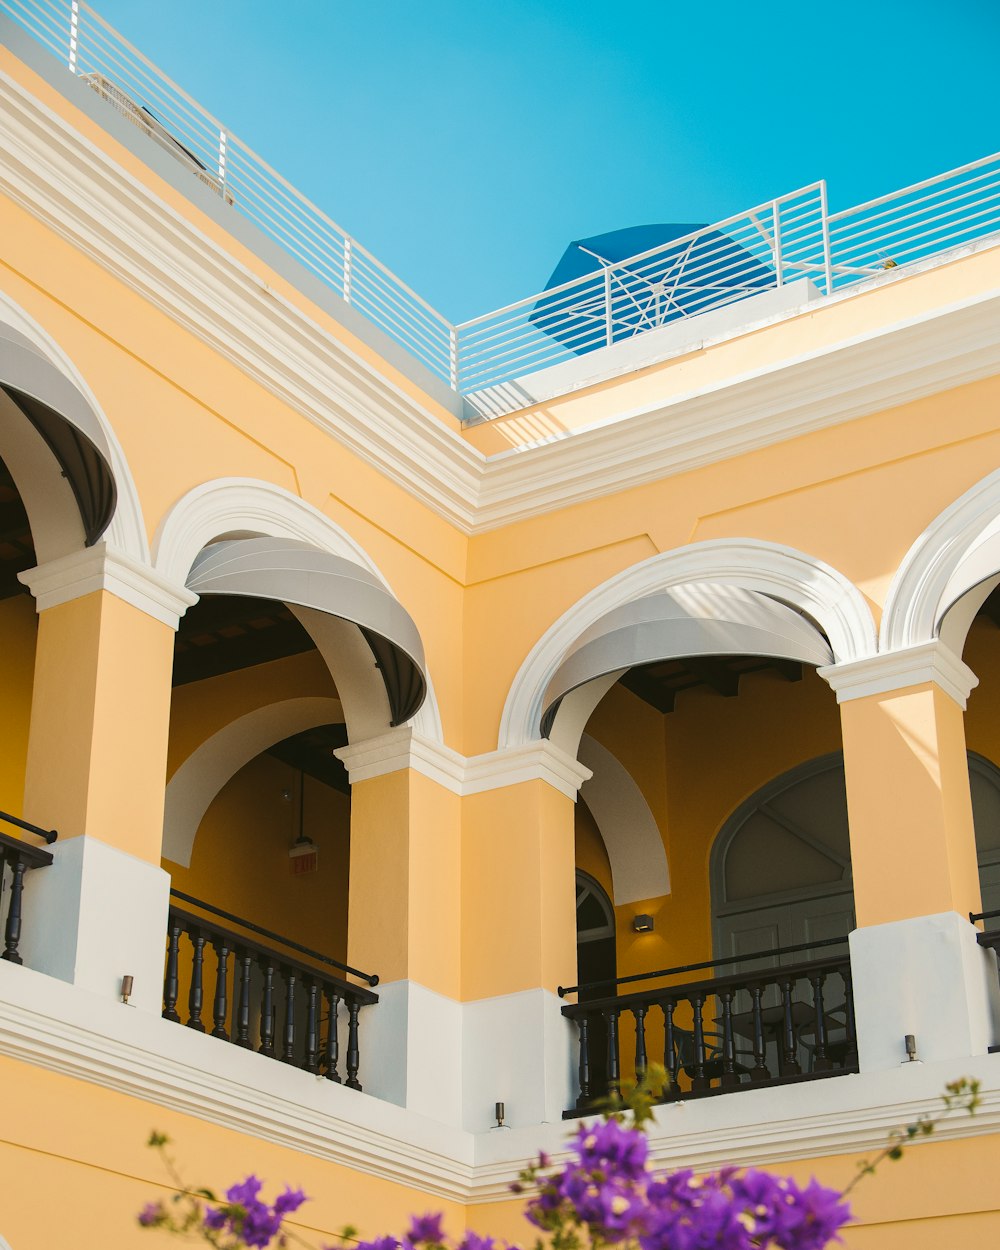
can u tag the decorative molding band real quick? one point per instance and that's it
(898, 670)
(77, 190)
(103, 567)
(58, 1028)
(463, 775)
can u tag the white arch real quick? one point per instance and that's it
(791, 576)
(127, 530)
(206, 770)
(631, 836)
(240, 507)
(958, 551)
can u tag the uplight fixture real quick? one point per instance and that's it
(642, 923)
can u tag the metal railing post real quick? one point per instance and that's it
(347, 270)
(222, 158)
(825, 223)
(74, 34)
(609, 325)
(776, 217)
(453, 357)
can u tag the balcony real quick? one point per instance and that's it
(284, 1005)
(778, 1025)
(17, 860)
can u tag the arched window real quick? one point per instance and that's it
(781, 865)
(595, 934)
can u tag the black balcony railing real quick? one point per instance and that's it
(17, 859)
(264, 998)
(765, 1027)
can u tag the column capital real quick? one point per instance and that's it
(463, 775)
(106, 567)
(897, 670)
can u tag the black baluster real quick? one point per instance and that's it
(730, 1077)
(759, 1073)
(332, 1040)
(171, 980)
(267, 1009)
(614, 1075)
(851, 1049)
(312, 1027)
(820, 1061)
(640, 1041)
(288, 1053)
(353, 1053)
(196, 993)
(220, 1005)
(12, 933)
(671, 1059)
(244, 960)
(699, 1080)
(789, 1065)
(584, 1098)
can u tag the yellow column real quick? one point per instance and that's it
(405, 882)
(518, 891)
(97, 746)
(913, 847)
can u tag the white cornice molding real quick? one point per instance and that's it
(789, 399)
(898, 670)
(58, 1028)
(463, 775)
(103, 567)
(77, 190)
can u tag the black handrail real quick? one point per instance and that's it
(983, 915)
(563, 990)
(49, 835)
(32, 856)
(371, 978)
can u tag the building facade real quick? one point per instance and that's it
(383, 679)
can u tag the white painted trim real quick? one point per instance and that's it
(127, 530)
(628, 828)
(242, 506)
(928, 580)
(898, 670)
(63, 1029)
(790, 576)
(104, 567)
(462, 775)
(76, 189)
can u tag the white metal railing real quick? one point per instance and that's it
(708, 268)
(130, 82)
(930, 217)
(789, 238)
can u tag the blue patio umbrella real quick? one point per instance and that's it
(632, 280)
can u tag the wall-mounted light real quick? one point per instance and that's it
(910, 1042)
(498, 1112)
(643, 923)
(126, 989)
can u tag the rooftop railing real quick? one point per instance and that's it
(786, 239)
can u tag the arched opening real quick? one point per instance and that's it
(702, 694)
(289, 653)
(18, 637)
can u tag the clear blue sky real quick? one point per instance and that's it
(466, 142)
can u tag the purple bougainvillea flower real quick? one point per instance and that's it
(245, 1192)
(289, 1201)
(152, 1214)
(610, 1148)
(426, 1228)
(379, 1243)
(473, 1241)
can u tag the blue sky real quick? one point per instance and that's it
(466, 142)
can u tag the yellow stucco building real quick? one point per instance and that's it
(383, 677)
